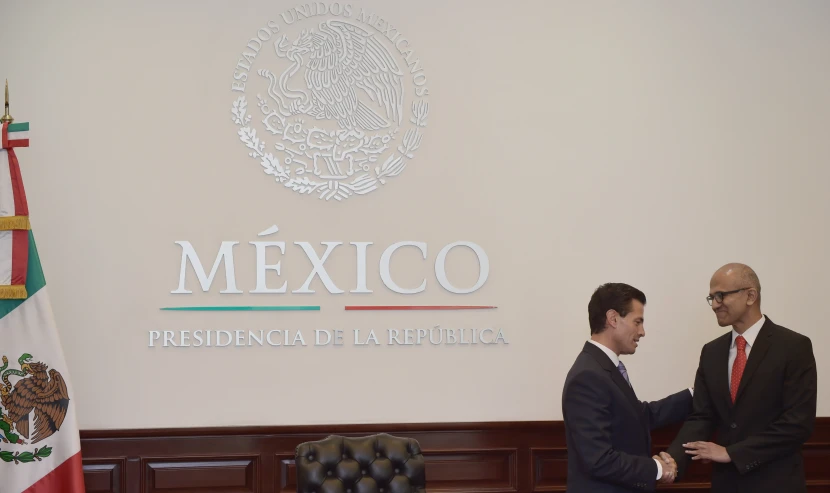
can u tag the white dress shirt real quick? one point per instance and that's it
(750, 335)
(611, 354)
(616, 360)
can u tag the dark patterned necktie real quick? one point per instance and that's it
(621, 367)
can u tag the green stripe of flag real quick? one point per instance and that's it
(241, 308)
(34, 278)
(19, 127)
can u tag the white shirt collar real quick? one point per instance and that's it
(751, 333)
(611, 354)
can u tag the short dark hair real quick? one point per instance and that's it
(611, 296)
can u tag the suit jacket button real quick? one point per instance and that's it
(733, 426)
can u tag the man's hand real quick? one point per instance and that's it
(707, 451)
(669, 467)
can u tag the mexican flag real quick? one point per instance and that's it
(40, 449)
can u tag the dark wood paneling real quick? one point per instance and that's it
(550, 468)
(500, 457)
(104, 476)
(473, 470)
(286, 474)
(208, 475)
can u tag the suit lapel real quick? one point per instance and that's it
(722, 368)
(756, 354)
(616, 377)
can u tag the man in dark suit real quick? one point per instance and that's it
(607, 429)
(756, 387)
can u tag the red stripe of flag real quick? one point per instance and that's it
(20, 256)
(66, 478)
(21, 207)
(19, 143)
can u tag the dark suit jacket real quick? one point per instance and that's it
(608, 430)
(772, 417)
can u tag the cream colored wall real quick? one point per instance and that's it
(576, 142)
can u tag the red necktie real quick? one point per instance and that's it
(738, 366)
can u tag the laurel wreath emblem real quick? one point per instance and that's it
(298, 160)
(23, 457)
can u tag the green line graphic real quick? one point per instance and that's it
(241, 308)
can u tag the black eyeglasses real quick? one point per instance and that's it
(720, 294)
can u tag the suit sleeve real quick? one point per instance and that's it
(700, 425)
(673, 409)
(794, 426)
(586, 406)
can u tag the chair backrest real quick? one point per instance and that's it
(379, 463)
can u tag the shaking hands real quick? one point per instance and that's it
(669, 467)
(703, 451)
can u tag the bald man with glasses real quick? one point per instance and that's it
(755, 390)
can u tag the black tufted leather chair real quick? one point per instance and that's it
(379, 463)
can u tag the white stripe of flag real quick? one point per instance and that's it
(6, 193)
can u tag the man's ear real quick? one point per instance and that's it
(611, 318)
(752, 296)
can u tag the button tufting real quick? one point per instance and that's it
(310, 457)
(328, 473)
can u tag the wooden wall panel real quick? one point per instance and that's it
(550, 468)
(225, 475)
(501, 457)
(104, 476)
(473, 470)
(286, 474)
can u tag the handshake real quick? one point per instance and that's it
(669, 467)
(705, 452)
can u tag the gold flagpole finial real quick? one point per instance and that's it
(6, 116)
